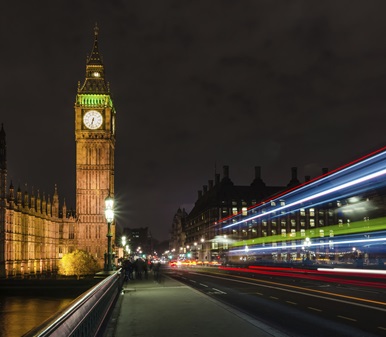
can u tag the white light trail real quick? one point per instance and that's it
(315, 196)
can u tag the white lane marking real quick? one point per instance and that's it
(348, 318)
(204, 285)
(315, 309)
(218, 291)
(303, 293)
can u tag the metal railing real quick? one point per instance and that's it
(86, 316)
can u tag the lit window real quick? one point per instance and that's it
(244, 211)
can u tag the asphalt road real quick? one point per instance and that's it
(296, 306)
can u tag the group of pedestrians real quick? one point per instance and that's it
(139, 269)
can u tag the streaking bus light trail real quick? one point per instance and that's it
(335, 213)
(316, 195)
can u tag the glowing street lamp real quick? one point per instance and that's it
(109, 214)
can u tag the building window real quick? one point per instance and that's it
(312, 211)
(234, 210)
(244, 211)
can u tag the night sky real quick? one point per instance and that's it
(197, 85)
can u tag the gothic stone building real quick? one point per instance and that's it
(36, 231)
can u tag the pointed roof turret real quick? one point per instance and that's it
(3, 149)
(95, 58)
(95, 74)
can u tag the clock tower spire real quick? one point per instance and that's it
(95, 73)
(95, 146)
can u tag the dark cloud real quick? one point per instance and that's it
(197, 85)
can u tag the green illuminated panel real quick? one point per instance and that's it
(352, 228)
(92, 100)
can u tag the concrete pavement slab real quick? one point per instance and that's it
(172, 309)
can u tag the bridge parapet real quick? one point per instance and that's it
(85, 316)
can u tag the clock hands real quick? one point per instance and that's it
(93, 119)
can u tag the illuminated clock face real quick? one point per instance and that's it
(93, 119)
(96, 74)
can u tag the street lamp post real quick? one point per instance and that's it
(109, 214)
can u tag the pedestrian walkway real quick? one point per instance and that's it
(172, 309)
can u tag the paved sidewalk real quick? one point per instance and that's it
(172, 309)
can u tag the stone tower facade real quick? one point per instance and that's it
(95, 146)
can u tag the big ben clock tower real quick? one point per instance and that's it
(95, 145)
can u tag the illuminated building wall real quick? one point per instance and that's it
(35, 231)
(95, 147)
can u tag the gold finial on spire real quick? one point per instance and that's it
(96, 29)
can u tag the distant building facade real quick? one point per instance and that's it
(225, 214)
(139, 240)
(177, 232)
(35, 230)
(204, 237)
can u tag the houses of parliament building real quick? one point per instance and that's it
(37, 230)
